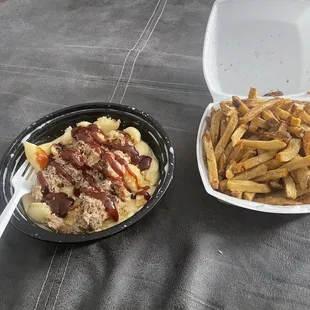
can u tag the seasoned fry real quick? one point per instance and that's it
(249, 196)
(237, 153)
(282, 114)
(272, 175)
(276, 185)
(304, 116)
(215, 127)
(228, 149)
(305, 199)
(296, 131)
(273, 164)
(264, 145)
(278, 135)
(290, 188)
(282, 127)
(302, 176)
(247, 186)
(297, 163)
(248, 154)
(239, 132)
(307, 108)
(251, 173)
(239, 105)
(221, 164)
(208, 121)
(259, 150)
(305, 127)
(270, 117)
(253, 127)
(223, 125)
(232, 123)
(229, 172)
(252, 93)
(290, 152)
(223, 186)
(258, 121)
(237, 194)
(257, 110)
(211, 161)
(276, 200)
(306, 143)
(252, 162)
(295, 121)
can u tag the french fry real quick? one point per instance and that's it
(253, 127)
(252, 162)
(237, 153)
(231, 125)
(211, 161)
(278, 135)
(208, 121)
(302, 176)
(295, 121)
(237, 194)
(259, 122)
(296, 131)
(251, 173)
(305, 127)
(276, 185)
(271, 119)
(257, 150)
(223, 186)
(301, 192)
(221, 164)
(223, 125)
(258, 110)
(281, 114)
(247, 186)
(239, 132)
(249, 196)
(228, 149)
(239, 105)
(305, 117)
(215, 127)
(273, 164)
(307, 107)
(272, 175)
(248, 154)
(229, 173)
(290, 188)
(304, 199)
(264, 145)
(282, 127)
(306, 143)
(297, 163)
(276, 200)
(290, 152)
(252, 93)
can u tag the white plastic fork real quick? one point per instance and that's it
(21, 183)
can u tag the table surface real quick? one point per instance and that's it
(190, 252)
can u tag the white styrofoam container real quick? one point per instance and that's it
(255, 43)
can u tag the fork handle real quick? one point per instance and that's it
(9, 210)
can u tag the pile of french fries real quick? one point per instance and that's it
(259, 150)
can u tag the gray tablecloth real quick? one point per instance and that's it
(190, 252)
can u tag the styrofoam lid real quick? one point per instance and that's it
(258, 43)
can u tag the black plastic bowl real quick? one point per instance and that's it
(52, 126)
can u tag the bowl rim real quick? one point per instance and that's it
(38, 126)
(251, 205)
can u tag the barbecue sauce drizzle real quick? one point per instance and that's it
(60, 203)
